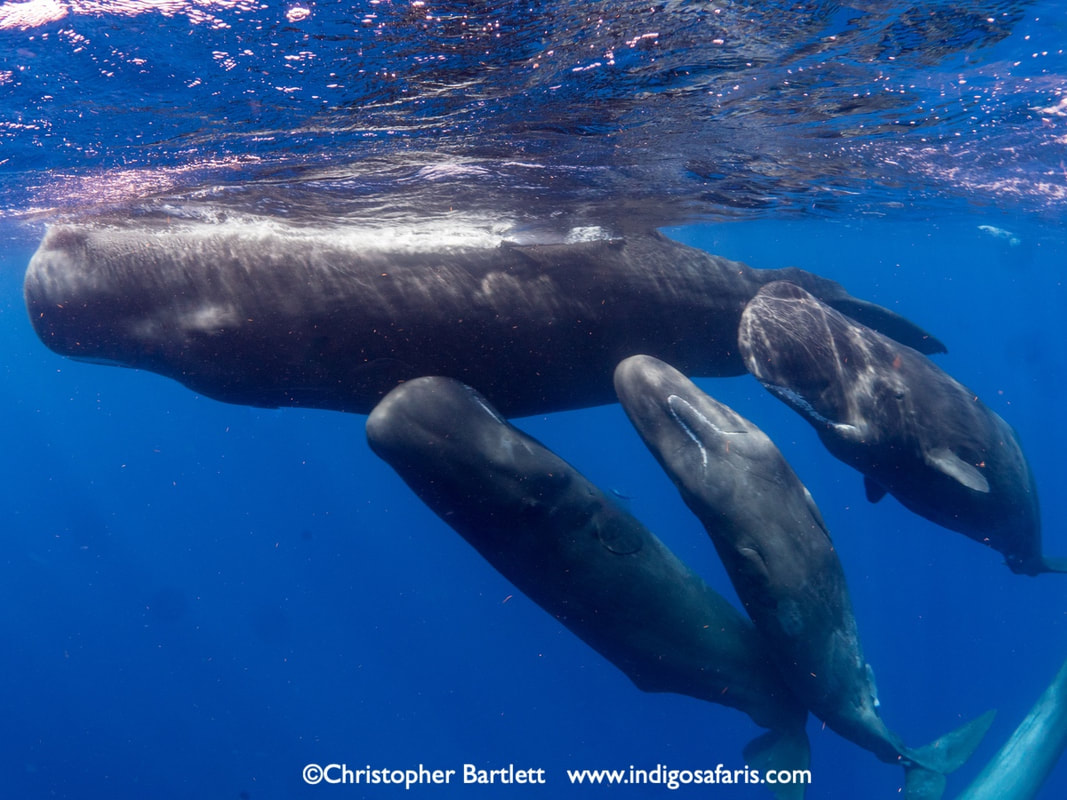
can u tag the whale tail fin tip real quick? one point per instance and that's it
(781, 750)
(1036, 565)
(925, 778)
(921, 783)
(1054, 564)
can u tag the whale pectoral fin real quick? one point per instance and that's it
(874, 491)
(955, 467)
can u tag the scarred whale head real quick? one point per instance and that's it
(891, 413)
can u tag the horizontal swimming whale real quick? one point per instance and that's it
(585, 560)
(891, 413)
(283, 315)
(777, 551)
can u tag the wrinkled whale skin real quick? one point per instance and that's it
(585, 560)
(278, 315)
(891, 413)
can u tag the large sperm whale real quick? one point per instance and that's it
(275, 314)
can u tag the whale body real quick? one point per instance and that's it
(778, 553)
(891, 413)
(281, 315)
(1022, 765)
(583, 559)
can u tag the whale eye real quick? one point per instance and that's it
(617, 531)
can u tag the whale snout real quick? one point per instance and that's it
(54, 290)
(786, 340)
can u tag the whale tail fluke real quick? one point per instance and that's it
(1054, 564)
(1036, 565)
(925, 777)
(921, 783)
(781, 750)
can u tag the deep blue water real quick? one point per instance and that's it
(198, 599)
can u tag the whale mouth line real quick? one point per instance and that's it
(795, 400)
(674, 402)
(100, 361)
(800, 404)
(680, 408)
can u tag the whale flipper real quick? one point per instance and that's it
(959, 470)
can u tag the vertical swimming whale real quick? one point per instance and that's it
(779, 555)
(575, 553)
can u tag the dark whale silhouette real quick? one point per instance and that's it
(777, 551)
(281, 315)
(891, 413)
(583, 559)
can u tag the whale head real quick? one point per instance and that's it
(890, 412)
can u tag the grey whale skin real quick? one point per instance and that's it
(777, 551)
(584, 560)
(1022, 765)
(277, 315)
(891, 413)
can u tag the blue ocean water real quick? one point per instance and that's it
(199, 598)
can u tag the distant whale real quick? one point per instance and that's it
(585, 560)
(888, 411)
(273, 314)
(1021, 766)
(777, 551)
